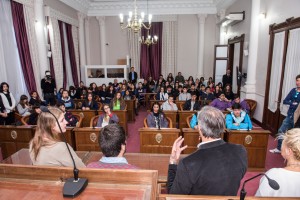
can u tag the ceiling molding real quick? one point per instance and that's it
(155, 7)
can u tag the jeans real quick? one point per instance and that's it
(287, 124)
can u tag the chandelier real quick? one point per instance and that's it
(149, 40)
(135, 22)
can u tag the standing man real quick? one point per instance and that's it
(216, 168)
(179, 78)
(132, 76)
(227, 78)
(48, 86)
(292, 99)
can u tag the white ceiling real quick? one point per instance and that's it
(156, 7)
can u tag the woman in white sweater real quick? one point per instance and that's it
(9, 103)
(46, 148)
(288, 177)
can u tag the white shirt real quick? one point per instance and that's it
(289, 182)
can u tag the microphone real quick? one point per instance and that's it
(73, 186)
(272, 183)
(159, 113)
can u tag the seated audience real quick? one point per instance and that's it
(118, 102)
(73, 93)
(107, 117)
(192, 104)
(202, 89)
(218, 91)
(71, 119)
(112, 141)
(3, 113)
(194, 121)
(66, 100)
(23, 106)
(33, 117)
(156, 118)
(228, 92)
(207, 95)
(221, 103)
(288, 177)
(59, 94)
(184, 96)
(169, 104)
(238, 119)
(243, 103)
(162, 95)
(214, 163)
(90, 103)
(179, 78)
(45, 148)
(109, 94)
(128, 95)
(35, 99)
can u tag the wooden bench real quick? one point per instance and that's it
(255, 142)
(182, 115)
(130, 109)
(172, 115)
(122, 115)
(42, 182)
(86, 114)
(14, 138)
(153, 140)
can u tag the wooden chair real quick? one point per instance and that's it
(25, 119)
(181, 107)
(252, 104)
(99, 105)
(79, 119)
(169, 121)
(94, 121)
(188, 120)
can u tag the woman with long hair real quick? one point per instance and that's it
(107, 117)
(9, 103)
(118, 102)
(228, 92)
(156, 118)
(23, 106)
(35, 99)
(46, 148)
(90, 103)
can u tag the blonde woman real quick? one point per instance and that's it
(45, 148)
(288, 177)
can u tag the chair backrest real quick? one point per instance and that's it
(252, 104)
(99, 105)
(79, 120)
(25, 119)
(188, 120)
(94, 121)
(168, 119)
(181, 107)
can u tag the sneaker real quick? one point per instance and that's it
(275, 150)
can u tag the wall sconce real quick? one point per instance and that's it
(262, 15)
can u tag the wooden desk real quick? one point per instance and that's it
(86, 114)
(69, 137)
(191, 138)
(153, 140)
(179, 103)
(40, 182)
(86, 139)
(182, 115)
(14, 138)
(256, 143)
(78, 103)
(122, 115)
(172, 115)
(158, 101)
(130, 109)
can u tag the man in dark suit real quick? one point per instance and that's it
(227, 78)
(132, 76)
(216, 168)
(192, 104)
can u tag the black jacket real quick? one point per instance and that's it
(187, 105)
(130, 77)
(216, 168)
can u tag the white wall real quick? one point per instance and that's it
(61, 7)
(94, 41)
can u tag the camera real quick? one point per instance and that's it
(48, 77)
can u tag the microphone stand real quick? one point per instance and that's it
(73, 186)
(158, 121)
(273, 184)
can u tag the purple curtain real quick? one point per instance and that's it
(72, 54)
(50, 58)
(61, 31)
(151, 56)
(23, 45)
